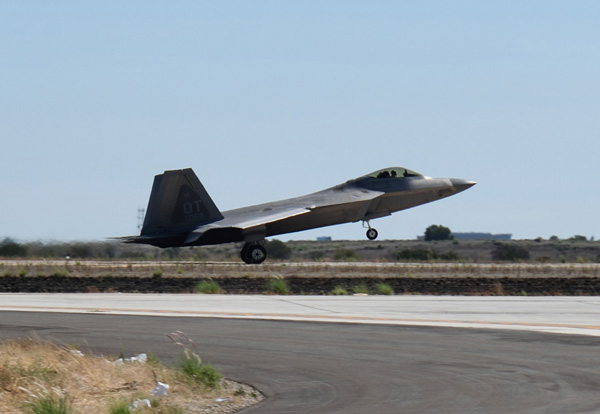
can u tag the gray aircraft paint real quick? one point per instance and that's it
(181, 213)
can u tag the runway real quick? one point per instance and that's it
(571, 315)
(373, 361)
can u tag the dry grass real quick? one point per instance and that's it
(214, 271)
(30, 369)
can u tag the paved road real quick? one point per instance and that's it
(574, 315)
(307, 367)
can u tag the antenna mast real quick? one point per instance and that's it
(140, 216)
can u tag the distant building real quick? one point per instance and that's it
(477, 236)
(324, 238)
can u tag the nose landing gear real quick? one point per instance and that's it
(371, 232)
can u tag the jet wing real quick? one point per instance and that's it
(265, 217)
(252, 221)
(246, 222)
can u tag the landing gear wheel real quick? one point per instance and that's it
(372, 234)
(258, 254)
(253, 254)
(245, 254)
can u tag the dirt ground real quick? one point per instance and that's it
(311, 278)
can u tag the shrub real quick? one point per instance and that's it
(346, 255)
(316, 255)
(339, 291)
(171, 252)
(278, 286)
(415, 254)
(119, 407)
(383, 289)
(438, 232)
(60, 273)
(361, 289)
(450, 256)
(80, 250)
(208, 287)
(199, 372)
(425, 255)
(10, 248)
(50, 404)
(510, 252)
(278, 249)
(152, 359)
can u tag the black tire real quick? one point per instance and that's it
(253, 254)
(372, 234)
(245, 254)
(257, 254)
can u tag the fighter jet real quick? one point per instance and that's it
(181, 213)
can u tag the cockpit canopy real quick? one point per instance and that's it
(394, 172)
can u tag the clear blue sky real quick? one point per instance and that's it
(272, 99)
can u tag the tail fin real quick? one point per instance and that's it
(178, 203)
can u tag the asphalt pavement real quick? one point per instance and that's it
(350, 354)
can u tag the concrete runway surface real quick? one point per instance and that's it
(400, 354)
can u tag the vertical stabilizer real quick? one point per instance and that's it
(178, 203)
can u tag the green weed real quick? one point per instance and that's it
(208, 287)
(152, 359)
(35, 370)
(339, 291)
(361, 289)
(119, 407)
(60, 273)
(59, 403)
(190, 364)
(199, 372)
(278, 286)
(383, 289)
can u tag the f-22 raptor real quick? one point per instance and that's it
(181, 213)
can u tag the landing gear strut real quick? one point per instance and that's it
(253, 253)
(371, 232)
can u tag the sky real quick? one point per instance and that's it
(268, 100)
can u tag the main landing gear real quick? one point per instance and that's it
(253, 253)
(371, 232)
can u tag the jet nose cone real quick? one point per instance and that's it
(461, 185)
